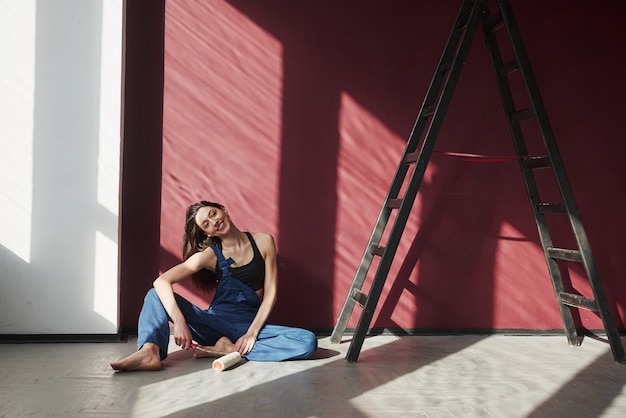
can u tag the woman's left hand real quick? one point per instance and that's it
(245, 344)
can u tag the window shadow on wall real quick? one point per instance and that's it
(372, 54)
(66, 215)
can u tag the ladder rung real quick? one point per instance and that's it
(494, 22)
(563, 254)
(394, 203)
(411, 158)
(445, 67)
(428, 112)
(377, 250)
(509, 67)
(551, 208)
(578, 301)
(523, 114)
(463, 26)
(532, 163)
(359, 297)
(463, 21)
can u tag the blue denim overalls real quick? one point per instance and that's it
(232, 310)
(234, 304)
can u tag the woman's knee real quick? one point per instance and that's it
(151, 295)
(309, 342)
(312, 343)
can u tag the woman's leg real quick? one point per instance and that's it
(152, 337)
(154, 332)
(278, 343)
(154, 323)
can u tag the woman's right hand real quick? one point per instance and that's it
(182, 335)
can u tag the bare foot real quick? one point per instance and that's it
(222, 347)
(147, 358)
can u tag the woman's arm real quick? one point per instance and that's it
(165, 291)
(267, 247)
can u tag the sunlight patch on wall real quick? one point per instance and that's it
(222, 117)
(17, 83)
(369, 154)
(520, 264)
(105, 279)
(105, 297)
(110, 83)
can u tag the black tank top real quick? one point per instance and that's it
(253, 273)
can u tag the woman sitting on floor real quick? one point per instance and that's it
(241, 268)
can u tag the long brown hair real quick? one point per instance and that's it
(194, 241)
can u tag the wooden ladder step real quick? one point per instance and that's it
(564, 254)
(578, 301)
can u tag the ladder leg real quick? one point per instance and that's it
(529, 179)
(451, 64)
(401, 173)
(427, 109)
(583, 254)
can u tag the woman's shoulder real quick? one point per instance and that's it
(203, 259)
(264, 241)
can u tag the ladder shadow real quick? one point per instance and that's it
(420, 252)
(403, 281)
(601, 377)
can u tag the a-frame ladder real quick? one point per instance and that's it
(473, 14)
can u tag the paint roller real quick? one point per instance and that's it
(226, 362)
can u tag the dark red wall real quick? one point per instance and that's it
(295, 119)
(142, 131)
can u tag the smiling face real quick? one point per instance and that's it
(213, 221)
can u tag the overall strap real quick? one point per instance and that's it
(221, 261)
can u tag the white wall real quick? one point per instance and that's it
(60, 82)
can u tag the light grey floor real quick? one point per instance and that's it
(438, 376)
